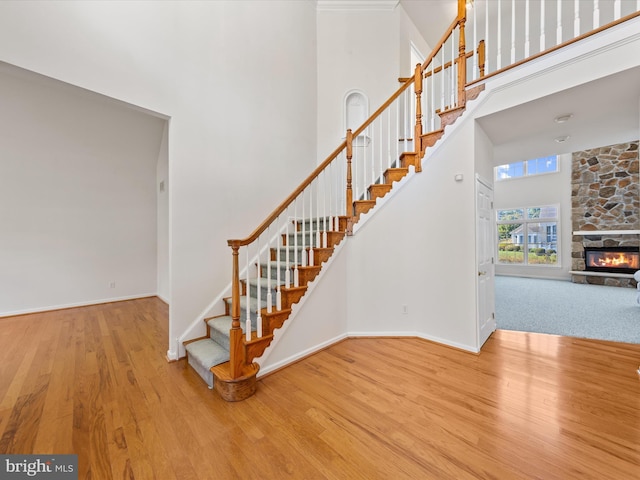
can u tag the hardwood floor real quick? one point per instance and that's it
(94, 381)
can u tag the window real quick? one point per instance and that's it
(528, 235)
(536, 166)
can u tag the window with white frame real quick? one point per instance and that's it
(537, 166)
(528, 235)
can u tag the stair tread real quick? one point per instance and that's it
(253, 302)
(221, 323)
(207, 352)
(264, 283)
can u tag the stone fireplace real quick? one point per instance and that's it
(605, 213)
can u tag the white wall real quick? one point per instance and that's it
(77, 196)
(547, 189)
(409, 34)
(240, 91)
(363, 49)
(418, 250)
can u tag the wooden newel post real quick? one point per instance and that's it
(462, 58)
(236, 356)
(349, 206)
(417, 135)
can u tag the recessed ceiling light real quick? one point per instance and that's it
(562, 139)
(563, 118)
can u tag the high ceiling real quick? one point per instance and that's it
(431, 17)
(604, 111)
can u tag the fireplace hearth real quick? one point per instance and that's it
(612, 259)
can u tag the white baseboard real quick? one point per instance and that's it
(164, 299)
(300, 355)
(321, 346)
(75, 305)
(431, 338)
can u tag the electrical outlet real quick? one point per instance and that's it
(405, 309)
(112, 284)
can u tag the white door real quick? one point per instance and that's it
(484, 257)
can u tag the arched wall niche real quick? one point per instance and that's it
(356, 112)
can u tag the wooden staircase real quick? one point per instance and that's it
(218, 327)
(225, 356)
(290, 250)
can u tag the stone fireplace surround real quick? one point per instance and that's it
(605, 207)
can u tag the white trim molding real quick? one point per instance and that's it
(369, 5)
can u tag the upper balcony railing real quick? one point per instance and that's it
(515, 31)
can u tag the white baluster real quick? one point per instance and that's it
(398, 125)
(576, 18)
(389, 140)
(340, 189)
(559, 22)
(405, 111)
(442, 77)
(355, 170)
(363, 186)
(287, 272)
(278, 265)
(432, 111)
(247, 323)
(596, 14)
(313, 224)
(486, 34)
(325, 219)
(376, 144)
(475, 42)
(379, 162)
(259, 296)
(543, 40)
(310, 255)
(527, 27)
(269, 294)
(616, 10)
(454, 90)
(513, 31)
(303, 259)
(499, 41)
(296, 275)
(318, 212)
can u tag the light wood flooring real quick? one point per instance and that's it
(94, 381)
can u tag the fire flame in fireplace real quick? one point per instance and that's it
(614, 260)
